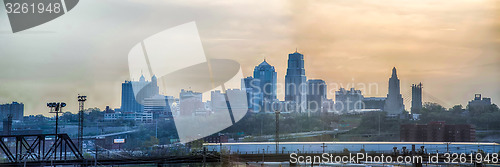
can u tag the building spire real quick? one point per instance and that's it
(394, 74)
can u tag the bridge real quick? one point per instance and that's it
(39, 147)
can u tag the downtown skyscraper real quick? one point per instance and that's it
(394, 102)
(266, 76)
(296, 82)
(316, 94)
(416, 98)
(134, 93)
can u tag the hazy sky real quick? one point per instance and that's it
(452, 47)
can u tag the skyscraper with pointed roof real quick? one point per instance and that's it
(265, 91)
(394, 102)
(295, 81)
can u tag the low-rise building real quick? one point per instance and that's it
(437, 132)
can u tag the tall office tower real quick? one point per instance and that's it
(247, 85)
(416, 98)
(295, 81)
(316, 94)
(15, 109)
(266, 90)
(134, 93)
(394, 102)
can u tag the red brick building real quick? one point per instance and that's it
(437, 132)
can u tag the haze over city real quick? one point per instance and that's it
(452, 47)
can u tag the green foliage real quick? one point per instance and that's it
(151, 142)
(485, 119)
(432, 107)
(456, 109)
(197, 144)
(87, 156)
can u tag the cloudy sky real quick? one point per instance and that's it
(452, 47)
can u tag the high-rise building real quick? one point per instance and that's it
(394, 103)
(134, 93)
(295, 81)
(266, 88)
(248, 84)
(159, 106)
(15, 109)
(416, 98)
(218, 101)
(190, 102)
(348, 100)
(316, 94)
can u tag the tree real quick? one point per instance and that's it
(456, 109)
(94, 115)
(69, 117)
(494, 108)
(151, 142)
(432, 107)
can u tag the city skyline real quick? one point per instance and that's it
(454, 57)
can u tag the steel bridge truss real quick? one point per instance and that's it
(39, 147)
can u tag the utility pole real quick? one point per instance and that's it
(324, 147)
(81, 101)
(96, 151)
(220, 148)
(378, 123)
(277, 112)
(204, 156)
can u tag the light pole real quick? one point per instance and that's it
(56, 108)
(263, 156)
(81, 102)
(277, 112)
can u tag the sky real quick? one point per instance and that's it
(452, 47)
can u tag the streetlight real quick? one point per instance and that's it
(56, 108)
